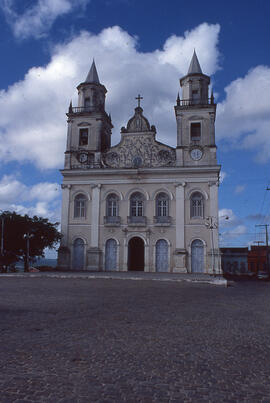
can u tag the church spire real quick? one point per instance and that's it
(194, 67)
(92, 76)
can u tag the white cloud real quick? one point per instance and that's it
(231, 228)
(44, 191)
(235, 234)
(37, 20)
(239, 189)
(36, 129)
(243, 117)
(227, 218)
(222, 176)
(41, 199)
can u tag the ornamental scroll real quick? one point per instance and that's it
(139, 151)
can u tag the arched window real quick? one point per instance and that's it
(80, 206)
(196, 205)
(195, 132)
(162, 205)
(136, 204)
(112, 202)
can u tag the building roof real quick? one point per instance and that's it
(92, 76)
(194, 67)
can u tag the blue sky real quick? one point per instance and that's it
(139, 47)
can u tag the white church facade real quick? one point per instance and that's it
(141, 205)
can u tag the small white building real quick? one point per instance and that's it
(141, 205)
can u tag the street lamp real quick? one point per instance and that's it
(27, 237)
(212, 223)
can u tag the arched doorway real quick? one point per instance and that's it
(162, 256)
(78, 254)
(111, 255)
(197, 256)
(136, 254)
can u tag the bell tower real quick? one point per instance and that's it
(195, 117)
(89, 126)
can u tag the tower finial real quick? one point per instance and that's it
(92, 76)
(178, 100)
(212, 97)
(70, 107)
(194, 66)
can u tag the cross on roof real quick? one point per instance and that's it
(139, 100)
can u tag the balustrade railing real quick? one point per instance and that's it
(195, 102)
(112, 220)
(163, 220)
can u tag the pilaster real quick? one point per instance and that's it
(180, 251)
(65, 214)
(63, 258)
(95, 216)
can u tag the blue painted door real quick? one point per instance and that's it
(111, 255)
(78, 254)
(162, 263)
(197, 256)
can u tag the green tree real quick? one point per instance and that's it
(26, 237)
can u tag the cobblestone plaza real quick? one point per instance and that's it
(87, 340)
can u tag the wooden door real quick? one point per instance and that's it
(197, 256)
(78, 254)
(162, 263)
(111, 255)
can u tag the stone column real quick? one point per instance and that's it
(68, 146)
(147, 252)
(180, 251)
(95, 216)
(63, 259)
(212, 128)
(179, 149)
(65, 214)
(125, 251)
(94, 253)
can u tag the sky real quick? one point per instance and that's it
(144, 47)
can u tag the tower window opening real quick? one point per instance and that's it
(87, 102)
(195, 132)
(83, 138)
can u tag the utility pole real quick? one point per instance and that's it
(259, 255)
(266, 242)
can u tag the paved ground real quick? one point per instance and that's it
(87, 340)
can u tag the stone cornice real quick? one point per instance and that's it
(143, 171)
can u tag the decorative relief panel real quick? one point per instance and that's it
(139, 151)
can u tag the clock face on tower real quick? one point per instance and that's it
(196, 154)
